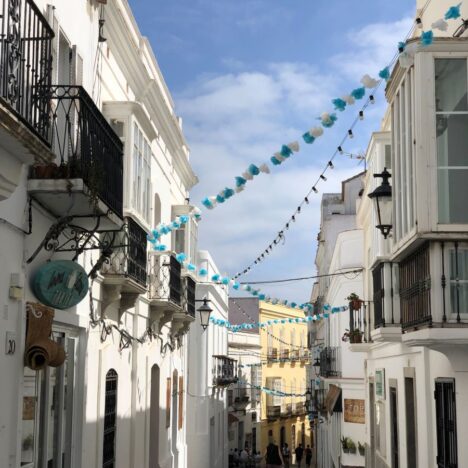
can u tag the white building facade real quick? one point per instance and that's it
(92, 158)
(210, 372)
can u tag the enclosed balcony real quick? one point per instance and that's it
(300, 409)
(294, 355)
(359, 329)
(272, 354)
(182, 319)
(224, 371)
(87, 179)
(286, 410)
(284, 354)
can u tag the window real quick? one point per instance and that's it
(452, 139)
(141, 177)
(48, 399)
(388, 157)
(110, 420)
(458, 281)
(446, 423)
(411, 451)
(395, 458)
(380, 428)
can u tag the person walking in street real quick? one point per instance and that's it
(308, 456)
(286, 455)
(299, 453)
(244, 458)
(273, 455)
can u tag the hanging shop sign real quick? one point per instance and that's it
(60, 284)
(354, 411)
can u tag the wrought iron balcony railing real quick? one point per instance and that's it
(165, 282)
(415, 289)
(273, 412)
(85, 144)
(294, 355)
(359, 331)
(284, 354)
(131, 259)
(300, 408)
(224, 371)
(286, 410)
(329, 362)
(272, 354)
(189, 286)
(26, 63)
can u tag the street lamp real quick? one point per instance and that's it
(382, 198)
(205, 312)
(316, 366)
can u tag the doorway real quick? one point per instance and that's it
(154, 419)
(372, 423)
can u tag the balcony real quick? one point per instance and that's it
(330, 365)
(273, 412)
(125, 271)
(181, 320)
(25, 65)
(359, 330)
(165, 287)
(286, 410)
(284, 354)
(88, 179)
(272, 354)
(300, 409)
(241, 400)
(224, 371)
(294, 355)
(304, 355)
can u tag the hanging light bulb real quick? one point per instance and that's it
(330, 164)
(372, 99)
(298, 209)
(419, 23)
(306, 200)
(361, 115)
(350, 133)
(323, 177)
(340, 149)
(315, 190)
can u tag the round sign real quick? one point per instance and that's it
(60, 284)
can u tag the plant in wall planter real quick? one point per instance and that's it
(354, 301)
(362, 449)
(351, 445)
(344, 444)
(355, 336)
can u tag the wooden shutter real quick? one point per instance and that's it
(181, 402)
(168, 402)
(76, 67)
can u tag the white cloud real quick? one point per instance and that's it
(240, 117)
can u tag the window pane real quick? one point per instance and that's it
(450, 85)
(30, 398)
(452, 140)
(453, 193)
(388, 156)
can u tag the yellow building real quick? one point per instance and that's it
(284, 346)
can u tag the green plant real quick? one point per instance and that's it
(353, 297)
(344, 443)
(350, 444)
(361, 448)
(28, 442)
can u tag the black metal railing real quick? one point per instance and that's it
(26, 63)
(300, 408)
(286, 410)
(329, 362)
(379, 294)
(130, 259)
(189, 295)
(415, 289)
(273, 412)
(224, 371)
(272, 354)
(319, 400)
(284, 354)
(85, 144)
(165, 282)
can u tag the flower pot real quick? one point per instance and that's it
(346, 450)
(352, 450)
(356, 304)
(357, 338)
(362, 451)
(45, 171)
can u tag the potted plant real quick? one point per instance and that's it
(344, 444)
(351, 445)
(354, 301)
(44, 171)
(362, 449)
(346, 336)
(355, 336)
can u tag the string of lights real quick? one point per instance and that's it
(279, 239)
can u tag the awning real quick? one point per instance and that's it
(232, 419)
(333, 399)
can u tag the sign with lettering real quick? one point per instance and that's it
(60, 284)
(354, 411)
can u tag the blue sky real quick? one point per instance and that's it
(251, 75)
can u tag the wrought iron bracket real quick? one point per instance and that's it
(65, 235)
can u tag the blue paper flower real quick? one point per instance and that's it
(191, 267)
(293, 305)
(150, 238)
(401, 46)
(215, 277)
(328, 120)
(203, 272)
(286, 151)
(308, 138)
(206, 202)
(220, 199)
(275, 162)
(225, 280)
(160, 247)
(184, 219)
(155, 233)
(339, 104)
(175, 225)
(236, 286)
(427, 38)
(358, 93)
(453, 12)
(261, 297)
(253, 169)
(240, 181)
(385, 73)
(228, 193)
(180, 257)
